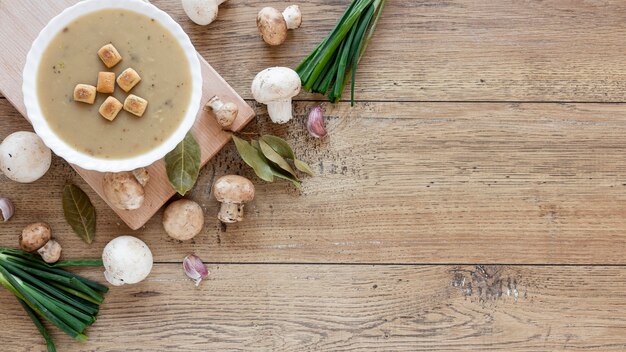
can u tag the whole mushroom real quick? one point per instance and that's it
(125, 190)
(50, 252)
(35, 236)
(38, 237)
(225, 113)
(24, 157)
(273, 24)
(183, 219)
(233, 192)
(275, 86)
(126, 260)
(201, 12)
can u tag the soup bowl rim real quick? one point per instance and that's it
(64, 149)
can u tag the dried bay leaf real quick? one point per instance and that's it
(183, 164)
(79, 213)
(279, 145)
(273, 156)
(254, 158)
(304, 167)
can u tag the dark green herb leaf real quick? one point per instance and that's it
(281, 174)
(273, 156)
(279, 145)
(183, 164)
(79, 212)
(304, 167)
(254, 158)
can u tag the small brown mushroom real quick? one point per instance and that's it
(273, 24)
(35, 236)
(232, 191)
(125, 190)
(51, 252)
(183, 219)
(225, 113)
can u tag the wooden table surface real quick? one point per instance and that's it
(474, 198)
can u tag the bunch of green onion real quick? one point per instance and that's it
(327, 69)
(67, 300)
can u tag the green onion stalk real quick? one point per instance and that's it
(46, 292)
(334, 61)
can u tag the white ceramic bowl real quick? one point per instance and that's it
(60, 147)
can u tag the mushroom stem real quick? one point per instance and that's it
(279, 110)
(293, 17)
(231, 212)
(215, 103)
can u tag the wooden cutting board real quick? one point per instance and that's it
(20, 23)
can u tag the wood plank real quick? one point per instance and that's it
(399, 183)
(459, 50)
(352, 308)
(15, 41)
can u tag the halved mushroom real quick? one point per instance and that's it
(233, 192)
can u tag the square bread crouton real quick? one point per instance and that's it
(106, 82)
(135, 105)
(110, 108)
(85, 93)
(128, 79)
(109, 55)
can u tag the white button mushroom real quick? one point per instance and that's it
(127, 260)
(275, 86)
(232, 191)
(201, 12)
(183, 219)
(24, 157)
(124, 190)
(273, 24)
(225, 113)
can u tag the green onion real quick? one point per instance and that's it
(68, 301)
(334, 61)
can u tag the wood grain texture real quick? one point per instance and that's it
(15, 41)
(401, 183)
(452, 50)
(352, 308)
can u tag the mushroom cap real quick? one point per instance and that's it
(123, 190)
(35, 236)
(183, 219)
(24, 157)
(272, 26)
(275, 84)
(51, 252)
(201, 12)
(233, 189)
(127, 260)
(293, 16)
(227, 114)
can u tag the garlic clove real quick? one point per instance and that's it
(315, 123)
(6, 209)
(195, 269)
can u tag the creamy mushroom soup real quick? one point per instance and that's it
(145, 46)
